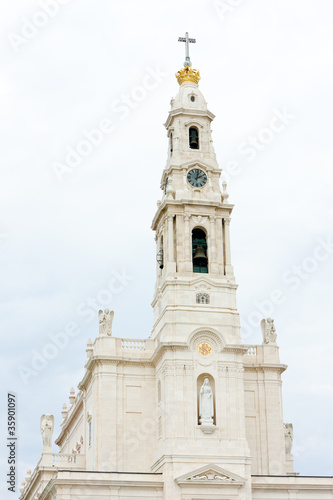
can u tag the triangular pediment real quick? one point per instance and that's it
(198, 163)
(211, 474)
(202, 283)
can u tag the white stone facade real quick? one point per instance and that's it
(134, 430)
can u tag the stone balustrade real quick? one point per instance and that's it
(139, 345)
(262, 354)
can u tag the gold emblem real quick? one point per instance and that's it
(204, 349)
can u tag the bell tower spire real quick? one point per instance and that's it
(195, 284)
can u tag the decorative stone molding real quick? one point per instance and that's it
(198, 219)
(207, 428)
(233, 371)
(210, 336)
(210, 474)
(168, 369)
(202, 286)
(189, 369)
(222, 369)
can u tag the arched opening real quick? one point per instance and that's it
(160, 254)
(199, 251)
(171, 145)
(194, 138)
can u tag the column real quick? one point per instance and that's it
(171, 258)
(229, 271)
(180, 257)
(188, 244)
(219, 245)
(213, 267)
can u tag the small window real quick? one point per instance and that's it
(192, 98)
(193, 138)
(202, 298)
(89, 427)
(171, 145)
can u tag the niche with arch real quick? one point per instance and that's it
(200, 381)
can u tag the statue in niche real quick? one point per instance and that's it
(46, 428)
(268, 331)
(105, 322)
(288, 437)
(206, 403)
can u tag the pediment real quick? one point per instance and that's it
(210, 474)
(202, 284)
(198, 163)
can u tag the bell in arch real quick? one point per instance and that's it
(194, 138)
(199, 253)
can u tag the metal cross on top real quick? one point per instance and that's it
(187, 40)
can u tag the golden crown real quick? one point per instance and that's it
(188, 74)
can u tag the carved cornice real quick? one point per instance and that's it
(237, 349)
(261, 367)
(167, 346)
(166, 203)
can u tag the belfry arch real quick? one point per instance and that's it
(199, 251)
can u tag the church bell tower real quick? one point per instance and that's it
(196, 322)
(195, 282)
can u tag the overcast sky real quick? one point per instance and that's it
(72, 223)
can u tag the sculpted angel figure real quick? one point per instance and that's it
(206, 407)
(105, 322)
(46, 428)
(288, 436)
(268, 331)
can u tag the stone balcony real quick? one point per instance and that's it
(262, 354)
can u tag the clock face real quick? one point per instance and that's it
(196, 177)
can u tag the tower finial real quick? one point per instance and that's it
(187, 74)
(187, 41)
